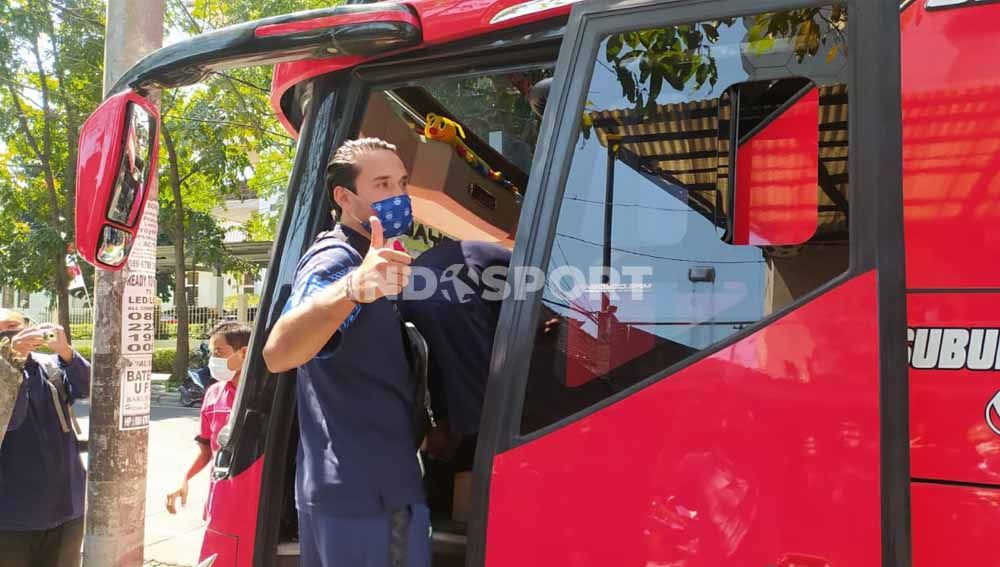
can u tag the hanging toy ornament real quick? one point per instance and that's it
(444, 130)
(450, 132)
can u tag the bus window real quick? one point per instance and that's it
(468, 144)
(645, 282)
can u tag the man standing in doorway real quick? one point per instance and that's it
(358, 484)
(42, 480)
(458, 321)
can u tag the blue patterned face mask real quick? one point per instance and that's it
(395, 213)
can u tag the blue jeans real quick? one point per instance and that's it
(326, 540)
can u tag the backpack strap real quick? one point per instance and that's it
(55, 378)
(417, 357)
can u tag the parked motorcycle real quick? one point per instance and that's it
(196, 381)
(193, 388)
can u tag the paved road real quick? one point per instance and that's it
(170, 539)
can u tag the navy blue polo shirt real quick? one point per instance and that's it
(42, 479)
(458, 322)
(355, 399)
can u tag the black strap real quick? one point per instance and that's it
(416, 356)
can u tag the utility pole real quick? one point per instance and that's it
(122, 361)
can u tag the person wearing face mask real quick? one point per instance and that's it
(228, 343)
(42, 479)
(358, 486)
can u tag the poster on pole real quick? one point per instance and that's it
(138, 327)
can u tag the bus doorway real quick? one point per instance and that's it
(467, 143)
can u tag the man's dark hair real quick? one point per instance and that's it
(237, 335)
(342, 169)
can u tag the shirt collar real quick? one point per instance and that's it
(352, 237)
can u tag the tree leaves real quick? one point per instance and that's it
(228, 143)
(681, 56)
(644, 60)
(35, 228)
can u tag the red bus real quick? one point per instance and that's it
(797, 363)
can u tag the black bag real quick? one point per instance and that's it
(417, 357)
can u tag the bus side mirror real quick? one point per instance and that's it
(115, 164)
(772, 197)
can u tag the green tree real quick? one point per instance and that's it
(207, 138)
(50, 77)
(220, 141)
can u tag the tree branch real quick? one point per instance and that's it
(237, 124)
(74, 13)
(50, 180)
(57, 96)
(173, 103)
(59, 69)
(197, 27)
(71, 124)
(46, 111)
(242, 82)
(22, 120)
(180, 284)
(186, 176)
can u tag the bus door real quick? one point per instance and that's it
(711, 368)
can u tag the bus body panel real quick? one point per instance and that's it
(752, 454)
(951, 146)
(222, 550)
(232, 522)
(955, 525)
(951, 436)
(951, 181)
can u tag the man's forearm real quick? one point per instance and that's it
(300, 334)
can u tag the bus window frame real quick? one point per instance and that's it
(876, 241)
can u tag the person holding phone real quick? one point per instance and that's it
(42, 479)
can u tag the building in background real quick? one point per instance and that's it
(212, 295)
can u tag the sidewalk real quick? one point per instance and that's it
(171, 540)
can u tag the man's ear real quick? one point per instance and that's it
(340, 197)
(243, 352)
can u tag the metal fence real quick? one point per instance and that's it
(200, 321)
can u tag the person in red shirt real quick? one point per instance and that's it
(228, 344)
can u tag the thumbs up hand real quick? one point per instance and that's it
(383, 272)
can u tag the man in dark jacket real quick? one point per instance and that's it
(458, 321)
(42, 479)
(357, 488)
